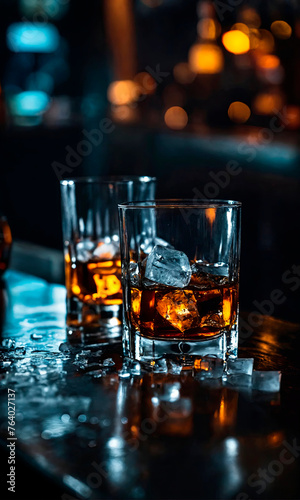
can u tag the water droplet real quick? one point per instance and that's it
(64, 348)
(108, 362)
(65, 418)
(36, 336)
(8, 343)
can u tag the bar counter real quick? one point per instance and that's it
(88, 428)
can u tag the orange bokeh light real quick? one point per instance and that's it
(268, 61)
(241, 27)
(176, 118)
(250, 16)
(262, 40)
(236, 41)
(267, 104)
(292, 117)
(183, 73)
(281, 29)
(208, 29)
(239, 112)
(206, 58)
(123, 92)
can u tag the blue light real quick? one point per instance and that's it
(29, 37)
(31, 103)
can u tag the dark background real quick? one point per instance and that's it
(81, 69)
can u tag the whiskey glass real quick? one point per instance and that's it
(92, 252)
(180, 279)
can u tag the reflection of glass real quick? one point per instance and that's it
(5, 244)
(92, 254)
(224, 418)
(181, 281)
(166, 411)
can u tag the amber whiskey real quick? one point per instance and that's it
(205, 308)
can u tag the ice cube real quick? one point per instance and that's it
(237, 366)
(174, 368)
(132, 366)
(148, 245)
(106, 251)
(124, 372)
(209, 367)
(266, 381)
(205, 275)
(160, 366)
(180, 309)
(108, 362)
(239, 380)
(64, 348)
(168, 267)
(84, 250)
(239, 371)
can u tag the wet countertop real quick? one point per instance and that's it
(98, 431)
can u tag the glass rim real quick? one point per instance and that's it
(180, 203)
(107, 179)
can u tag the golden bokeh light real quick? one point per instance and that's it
(267, 103)
(208, 29)
(239, 112)
(206, 58)
(250, 16)
(176, 118)
(241, 27)
(236, 41)
(183, 73)
(281, 29)
(123, 92)
(262, 40)
(268, 61)
(124, 114)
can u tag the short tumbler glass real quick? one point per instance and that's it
(180, 277)
(92, 252)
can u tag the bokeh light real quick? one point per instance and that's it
(206, 58)
(281, 29)
(292, 117)
(208, 29)
(123, 92)
(239, 112)
(262, 40)
(241, 27)
(183, 73)
(268, 61)
(236, 41)
(176, 118)
(267, 103)
(250, 17)
(29, 37)
(29, 103)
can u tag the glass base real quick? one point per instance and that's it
(94, 324)
(145, 350)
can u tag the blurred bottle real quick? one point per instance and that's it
(5, 244)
